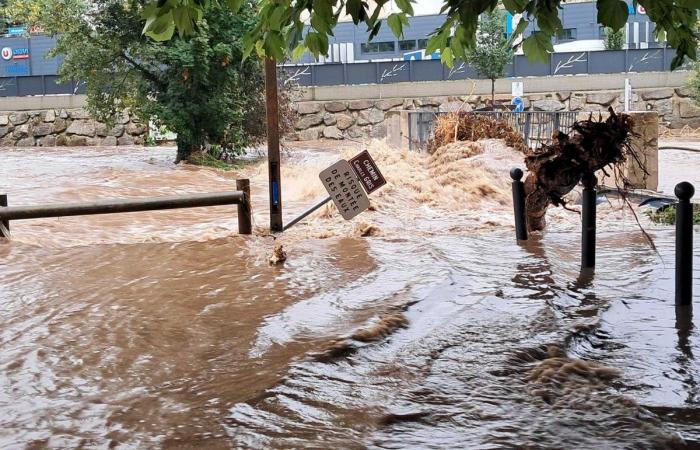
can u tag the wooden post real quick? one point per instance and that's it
(245, 223)
(273, 145)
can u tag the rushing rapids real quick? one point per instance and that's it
(420, 324)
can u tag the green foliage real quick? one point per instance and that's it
(667, 216)
(281, 24)
(694, 83)
(492, 52)
(201, 87)
(614, 40)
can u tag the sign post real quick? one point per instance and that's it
(345, 189)
(349, 184)
(273, 145)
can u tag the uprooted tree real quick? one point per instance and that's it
(555, 169)
(201, 87)
(595, 146)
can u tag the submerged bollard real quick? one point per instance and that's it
(245, 222)
(684, 244)
(5, 224)
(519, 204)
(588, 210)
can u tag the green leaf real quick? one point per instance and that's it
(162, 28)
(515, 6)
(538, 46)
(234, 5)
(521, 27)
(405, 6)
(447, 57)
(274, 45)
(395, 24)
(612, 13)
(298, 52)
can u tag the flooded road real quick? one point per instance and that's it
(166, 330)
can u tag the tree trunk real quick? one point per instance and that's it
(184, 150)
(493, 94)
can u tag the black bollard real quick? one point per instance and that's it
(684, 244)
(519, 204)
(5, 224)
(588, 206)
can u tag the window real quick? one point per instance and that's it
(567, 34)
(378, 47)
(407, 45)
(422, 43)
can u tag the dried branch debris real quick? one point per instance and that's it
(465, 126)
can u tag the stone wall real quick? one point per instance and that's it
(67, 127)
(356, 119)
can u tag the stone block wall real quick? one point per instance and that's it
(356, 119)
(52, 128)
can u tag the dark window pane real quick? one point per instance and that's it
(567, 34)
(407, 45)
(378, 47)
(422, 43)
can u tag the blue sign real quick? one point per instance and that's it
(16, 31)
(519, 104)
(417, 56)
(20, 69)
(20, 53)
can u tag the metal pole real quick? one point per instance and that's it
(4, 224)
(588, 210)
(306, 213)
(273, 145)
(245, 222)
(684, 244)
(519, 204)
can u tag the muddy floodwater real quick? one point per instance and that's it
(421, 324)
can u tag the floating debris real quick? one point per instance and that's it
(278, 255)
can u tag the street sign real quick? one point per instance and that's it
(519, 105)
(367, 172)
(345, 190)
(517, 89)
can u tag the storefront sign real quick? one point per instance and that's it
(9, 53)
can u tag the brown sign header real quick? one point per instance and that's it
(367, 171)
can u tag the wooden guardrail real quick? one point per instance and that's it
(112, 206)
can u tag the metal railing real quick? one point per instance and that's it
(536, 127)
(112, 206)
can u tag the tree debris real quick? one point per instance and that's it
(555, 169)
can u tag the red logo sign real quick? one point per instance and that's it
(6, 53)
(367, 171)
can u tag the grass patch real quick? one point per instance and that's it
(207, 160)
(667, 216)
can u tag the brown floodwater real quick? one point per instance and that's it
(167, 330)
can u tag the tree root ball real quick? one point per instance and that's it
(555, 169)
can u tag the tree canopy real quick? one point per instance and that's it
(493, 51)
(200, 88)
(281, 23)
